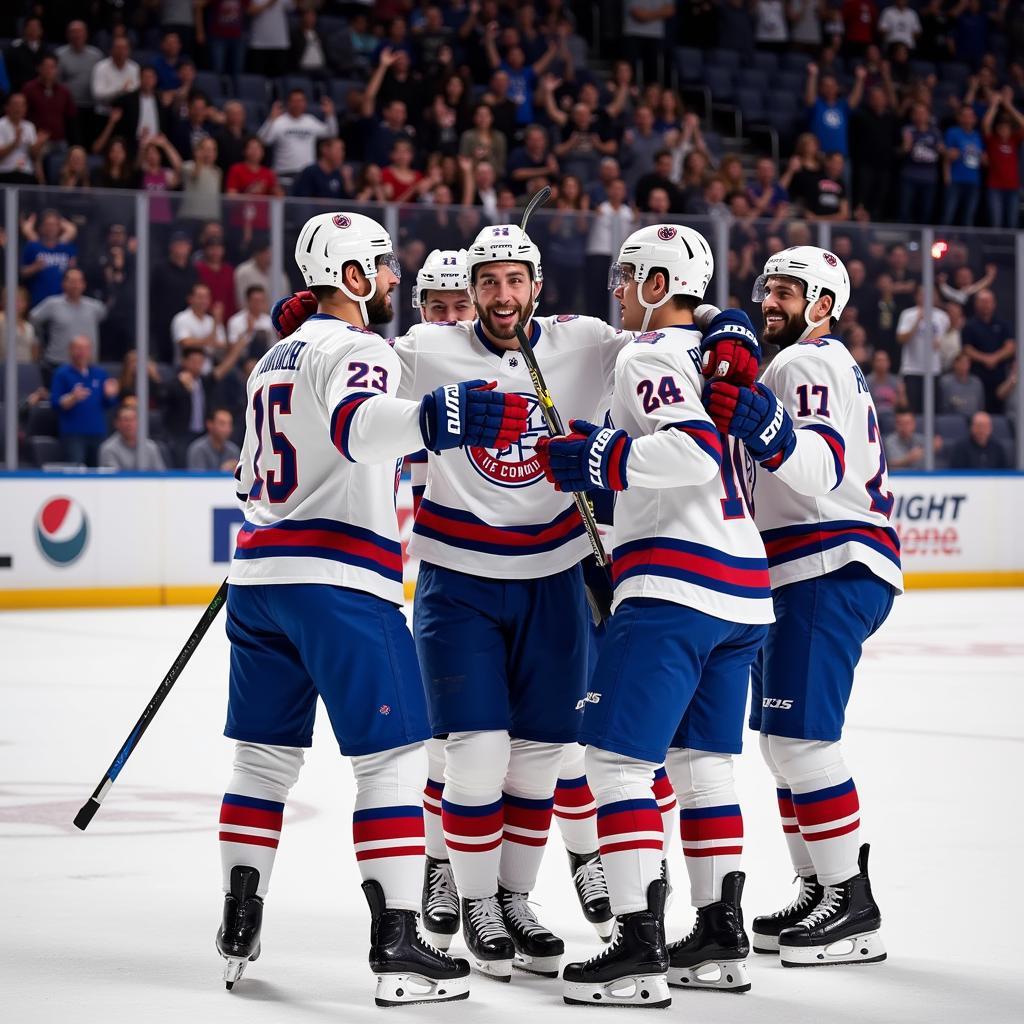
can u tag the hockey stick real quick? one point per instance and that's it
(550, 413)
(92, 805)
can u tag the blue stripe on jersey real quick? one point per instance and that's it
(788, 543)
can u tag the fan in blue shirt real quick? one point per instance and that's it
(964, 149)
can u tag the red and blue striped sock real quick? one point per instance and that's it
(798, 852)
(829, 822)
(473, 833)
(712, 844)
(527, 822)
(630, 835)
(576, 814)
(250, 829)
(388, 841)
(665, 797)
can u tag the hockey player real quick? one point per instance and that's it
(315, 592)
(500, 617)
(442, 296)
(692, 601)
(823, 507)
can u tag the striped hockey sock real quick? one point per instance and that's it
(798, 851)
(665, 797)
(631, 839)
(388, 841)
(712, 844)
(829, 822)
(576, 814)
(472, 832)
(250, 828)
(432, 794)
(527, 822)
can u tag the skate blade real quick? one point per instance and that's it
(866, 948)
(500, 970)
(234, 968)
(605, 929)
(406, 989)
(765, 943)
(712, 976)
(544, 966)
(649, 991)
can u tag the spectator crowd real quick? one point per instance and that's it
(870, 113)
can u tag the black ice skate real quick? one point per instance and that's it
(841, 929)
(408, 969)
(238, 938)
(767, 928)
(538, 950)
(440, 920)
(490, 946)
(592, 891)
(631, 971)
(713, 956)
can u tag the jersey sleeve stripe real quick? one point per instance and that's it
(692, 563)
(705, 434)
(462, 529)
(341, 421)
(789, 543)
(837, 446)
(322, 538)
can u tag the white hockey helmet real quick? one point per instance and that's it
(818, 270)
(444, 270)
(503, 243)
(330, 240)
(684, 254)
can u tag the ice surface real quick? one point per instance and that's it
(117, 924)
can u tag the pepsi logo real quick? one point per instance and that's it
(830, 259)
(666, 233)
(342, 221)
(62, 530)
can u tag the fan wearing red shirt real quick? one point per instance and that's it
(1003, 130)
(859, 20)
(252, 178)
(401, 181)
(218, 275)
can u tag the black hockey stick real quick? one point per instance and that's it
(554, 421)
(92, 805)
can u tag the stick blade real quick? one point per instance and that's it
(86, 814)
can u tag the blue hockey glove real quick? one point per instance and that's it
(590, 458)
(472, 413)
(731, 349)
(755, 416)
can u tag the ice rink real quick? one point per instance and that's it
(117, 924)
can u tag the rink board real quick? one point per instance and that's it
(167, 538)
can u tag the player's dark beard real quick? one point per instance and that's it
(788, 334)
(378, 310)
(500, 330)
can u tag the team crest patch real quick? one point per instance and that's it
(830, 259)
(566, 317)
(359, 330)
(650, 337)
(516, 465)
(666, 233)
(341, 221)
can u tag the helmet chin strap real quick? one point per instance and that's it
(361, 300)
(649, 306)
(812, 325)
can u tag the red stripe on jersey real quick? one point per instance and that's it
(273, 536)
(698, 564)
(239, 837)
(780, 545)
(507, 536)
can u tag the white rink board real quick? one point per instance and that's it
(172, 534)
(117, 924)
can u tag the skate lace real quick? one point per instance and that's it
(802, 899)
(485, 914)
(590, 880)
(829, 903)
(522, 916)
(443, 897)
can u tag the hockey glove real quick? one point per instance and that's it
(755, 416)
(731, 350)
(590, 458)
(471, 413)
(290, 313)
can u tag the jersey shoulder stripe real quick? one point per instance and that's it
(836, 445)
(322, 538)
(341, 420)
(704, 433)
(788, 543)
(462, 529)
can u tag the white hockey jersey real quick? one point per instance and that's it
(490, 512)
(683, 528)
(324, 437)
(829, 502)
